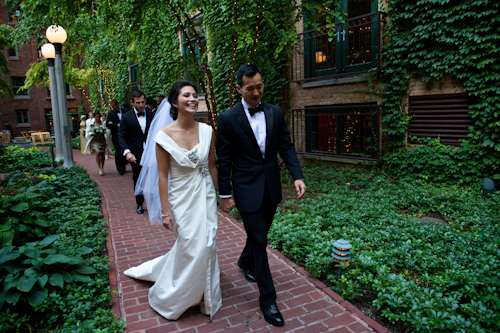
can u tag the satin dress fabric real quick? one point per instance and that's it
(190, 270)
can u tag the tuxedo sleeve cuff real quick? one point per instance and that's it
(225, 196)
(126, 151)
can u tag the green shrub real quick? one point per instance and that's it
(15, 158)
(426, 276)
(76, 142)
(440, 163)
(52, 273)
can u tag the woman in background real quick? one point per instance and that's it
(97, 141)
(83, 139)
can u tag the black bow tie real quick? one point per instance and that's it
(141, 114)
(253, 111)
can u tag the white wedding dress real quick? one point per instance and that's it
(190, 270)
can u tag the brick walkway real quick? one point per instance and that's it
(306, 304)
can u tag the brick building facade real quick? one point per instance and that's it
(31, 110)
(333, 114)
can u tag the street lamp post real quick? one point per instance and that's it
(49, 52)
(57, 36)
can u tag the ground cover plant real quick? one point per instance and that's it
(421, 276)
(53, 271)
(15, 158)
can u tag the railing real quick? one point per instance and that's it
(350, 131)
(352, 49)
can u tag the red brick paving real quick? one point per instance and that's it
(306, 303)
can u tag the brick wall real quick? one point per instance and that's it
(38, 99)
(329, 92)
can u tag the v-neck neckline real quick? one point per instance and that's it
(199, 140)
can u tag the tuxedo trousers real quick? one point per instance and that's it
(136, 171)
(254, 255)
(120, 160)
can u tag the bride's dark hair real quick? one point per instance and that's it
(174, 95)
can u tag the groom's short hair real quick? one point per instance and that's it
(137, 94)
(248, 70)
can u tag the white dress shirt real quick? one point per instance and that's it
(142, 120)
(258, 124)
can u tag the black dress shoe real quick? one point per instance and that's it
(248, 276)
(140, 210)
(121, 173)
(272, 315)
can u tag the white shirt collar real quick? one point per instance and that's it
(246, 105)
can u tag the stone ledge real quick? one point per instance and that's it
(333, 82)
(333, 158)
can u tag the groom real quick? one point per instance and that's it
(132, 134)
(249, 136)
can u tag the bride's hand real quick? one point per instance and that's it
(168, 222)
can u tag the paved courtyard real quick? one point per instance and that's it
(307, 304)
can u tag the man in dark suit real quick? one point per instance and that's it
(113, 123)
(249, 136)
(132, 135)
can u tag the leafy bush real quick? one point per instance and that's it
(52, 273)
(76, 142)
(426, 276)
(15, 158)
(440, 163)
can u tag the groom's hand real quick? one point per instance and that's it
(227, 204)
(130, 157)
(300, 187)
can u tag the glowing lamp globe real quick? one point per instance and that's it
(48, 51)
(56, 34)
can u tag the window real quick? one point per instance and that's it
(445, 117)
(40, 55)
(69, 91)
(351, 51)
(49, 121)
(18, 82)
(22, 117)
(135, 73)
(349, 130)
(14, 14)
(74, 119)
(12, 52)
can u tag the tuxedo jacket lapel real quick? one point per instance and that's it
(242, 120)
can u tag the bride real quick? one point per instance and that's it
(180, 195)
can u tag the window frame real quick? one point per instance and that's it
(18, 111)
(15, 91)
(11, 15)
(14, 46)
(314, 47)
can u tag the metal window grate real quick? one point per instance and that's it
(441, 116)
(342, 130)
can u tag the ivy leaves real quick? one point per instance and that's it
(431, 38)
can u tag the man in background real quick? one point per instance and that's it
(113, 123)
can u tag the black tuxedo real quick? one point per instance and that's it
(120, 160)
(131, 137)
(255, 181)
